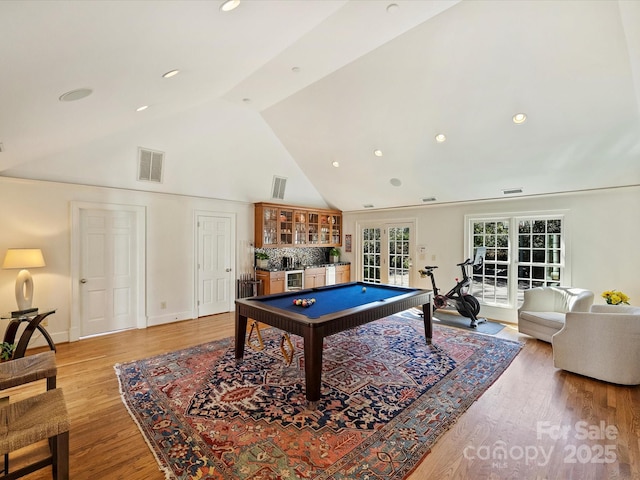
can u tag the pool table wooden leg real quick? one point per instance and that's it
(313, 344)
(241, 333)
(428, 324)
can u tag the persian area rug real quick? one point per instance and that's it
(386, 398)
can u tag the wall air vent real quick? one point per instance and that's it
(277, 189)
(368, 205)
(150, 165)
(429, 199)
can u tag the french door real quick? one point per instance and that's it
(387, 253)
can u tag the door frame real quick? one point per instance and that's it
(232, 254)
(140, 213)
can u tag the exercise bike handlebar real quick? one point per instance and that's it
(468, 261)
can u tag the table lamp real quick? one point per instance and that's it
(24, 258)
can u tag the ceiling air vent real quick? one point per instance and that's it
(150, 165)
(277, 190)
(511, 191)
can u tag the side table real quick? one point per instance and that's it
(34, 323)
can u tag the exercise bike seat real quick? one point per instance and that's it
(431, 267)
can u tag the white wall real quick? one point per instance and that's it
(604, 232)
(604, 229)
(38, 214)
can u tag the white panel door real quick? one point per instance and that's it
(215, 276)
(108, 277)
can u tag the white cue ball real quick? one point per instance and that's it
(364, 289)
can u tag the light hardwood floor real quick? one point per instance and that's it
(534, 415)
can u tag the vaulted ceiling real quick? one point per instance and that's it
(287, 88)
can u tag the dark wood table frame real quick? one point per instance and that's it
(34, 323)
(313, 331)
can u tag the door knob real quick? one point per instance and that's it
(83, 280)
(228, 270)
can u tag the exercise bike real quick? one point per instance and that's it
(466, 304)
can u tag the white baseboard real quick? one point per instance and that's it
(169, 318)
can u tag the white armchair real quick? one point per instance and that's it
(603, 344)
(542, 314)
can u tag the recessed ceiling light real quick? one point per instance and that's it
(441, 137)
(142, 108)
(336, 164)
(395, 182)
(229, 5)
(511, 191)
(392, 8)
(519, 118)
(377, 152)
(171, 73)
(74, 95)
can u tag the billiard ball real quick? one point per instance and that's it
(364, 289)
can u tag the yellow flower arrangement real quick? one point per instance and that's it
(614, 297)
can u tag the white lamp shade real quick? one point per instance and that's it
(24, 258)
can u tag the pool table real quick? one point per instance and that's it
(337, 308)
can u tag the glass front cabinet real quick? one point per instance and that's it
(300, 227)
(284, 226)
(269, 231)
(313, 226)
(336, 229)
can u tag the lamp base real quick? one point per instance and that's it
(24, 290)
(20, 313)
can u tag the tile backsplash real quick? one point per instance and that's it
(300, 255)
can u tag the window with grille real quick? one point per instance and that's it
(540, 253)
(522, 252)
(491, 278)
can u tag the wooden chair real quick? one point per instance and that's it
(35, 418)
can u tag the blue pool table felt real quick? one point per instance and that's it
(333, 300)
